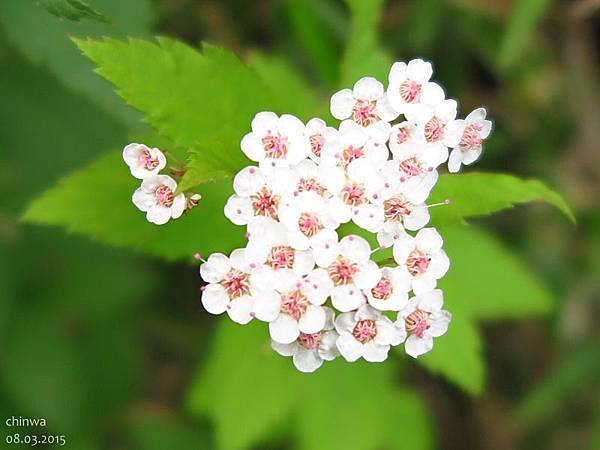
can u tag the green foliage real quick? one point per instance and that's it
(75, 10)
(524, 17)
(364, 56)
(108, 186)
(154, 431)
(242, 372)
(476, 194)
(24, 21)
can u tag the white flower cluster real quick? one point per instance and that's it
(156, 196)
(323, 295)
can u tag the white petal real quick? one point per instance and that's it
(215, 268)
(266, 305)
(416, 346)
(423, 284)
(455, 160)
(417, 219)
(385, 110)
(327, 348)
(240, 309)
(419, 70)
(368, 88)
(347, 298)
(142, 200)
(312, 320)
(158, 215)
(429, 240)
(439, 323)
(349, 347)
(307, 360)
(367, 276)
(355, 248)
(438, 265)
(397, 73)
(238, 210)
(248, 181)
(285, 349)
(252, 147)
(339, 211)
(264, 122)
(215, 299)
(304, 262)
(431, 301)
(345, 322)
(178, 206)
(341, 104)
(284, 329)
(317, 286)
(471, 155)
(374, 352)
(476, 116)
(369, 217)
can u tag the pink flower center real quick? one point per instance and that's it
(350, 154)
(236, 283)
(417, 322)
(410, 91)
(383, 290)
(403, 133)
(363, 112)
(281, 257)
(310, 341)
(365, 330)
(310, 184)
(434, 130)
(411, 167)
(309, 224)
(396, 208)
(417, 262)
(353, 194)
(471, 137)
(147, 161)
(317, 142)
(164, 196)
(265, 203)
(294, 304)
(275, 145)
(342, 271)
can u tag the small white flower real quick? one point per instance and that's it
(475, 128)
(367, 334)
(438, 124)
(422, 258)
(309, 351)
(305, 218)
(156, 197)
(288, 307)
(231, 287)
(354, 143)
(409, 86)
(320, 137)
(423, 319)
(354, 193)
(391, 291)
(366, 105)
(276, 141)
(349, 269)
(143, 162)
(256, 195)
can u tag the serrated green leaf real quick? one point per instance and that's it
(244, 382)
(96, 201)
(486, 280)
(74, 10)
(478, 194)
(211, 94)
(457, 355)
(363, 56)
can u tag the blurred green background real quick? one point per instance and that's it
(113, 349)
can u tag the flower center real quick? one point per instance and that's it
(147, 161)
(417, 322)
(342, 271)
(396, 208)
(350, 154)
(236, 283)
(353, 194)
(264, 203)
(164, 196)
(317, 142)
(364, 330)
(411, 167)
(434, 130)
(417, 262)
(471, 137)
(310, 341)
(275, 145)
(294, 304)
(383, 290)
(363, 112)
(309, 224)
(403, 134)
(410, 91)
(281, 257)
(310, 184)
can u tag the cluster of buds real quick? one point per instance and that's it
(323, 295)
(157, 194)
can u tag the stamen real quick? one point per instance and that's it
(444, 203)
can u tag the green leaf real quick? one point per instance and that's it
(457, 355)
(156, 431)
(244, 382)
(478, 194)
(523, 19)
(363, 56)
(187, 96)
(96, 201)
(74, 10)
(22, 21)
